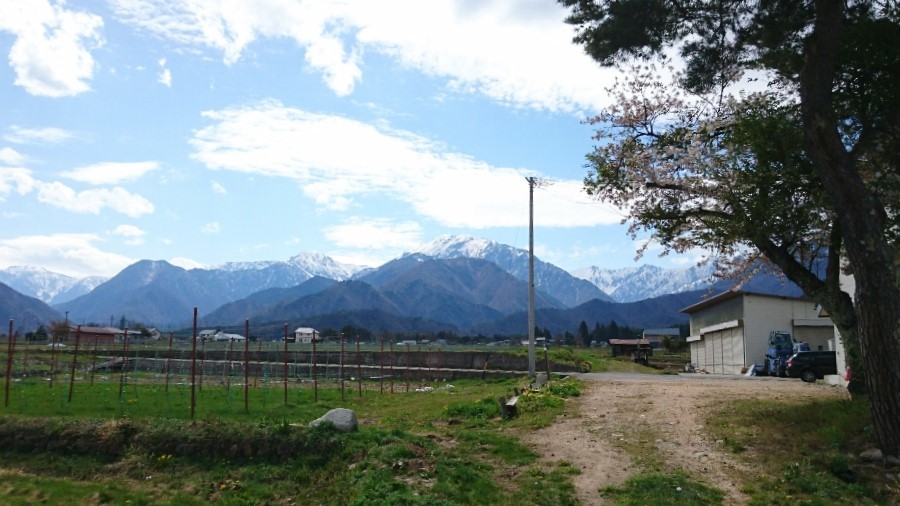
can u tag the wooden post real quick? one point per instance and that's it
(381, 361)
(315, 369)
(358, 367)
(194, 367)
(285, 364)
(124, 362)
(341, 366)
(202, 362)
(9, 361)
(246, 365)
(407, 367)
(74, 363)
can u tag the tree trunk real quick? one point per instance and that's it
(862, 220)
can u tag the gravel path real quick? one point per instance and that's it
(662, 416)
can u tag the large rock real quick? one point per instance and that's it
(343, 420)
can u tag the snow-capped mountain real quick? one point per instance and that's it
(638, 283)
(305, 264)
(157, 291)
(548, 278)
(50, 287)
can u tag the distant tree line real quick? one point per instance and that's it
(584, 336)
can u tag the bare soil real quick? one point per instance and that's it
(625, 424)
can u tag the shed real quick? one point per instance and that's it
(729, 332)
(631, 347)
(97, 334)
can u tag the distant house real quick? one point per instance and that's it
(96, 334)
(539, 342)
(154, 334)
(206, 335)
(218, 335)
(222, 336)
(304, 335)
(730, 331)
(657, 336)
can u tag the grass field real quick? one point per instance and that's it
(131, 440)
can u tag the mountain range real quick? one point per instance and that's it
(455, 283)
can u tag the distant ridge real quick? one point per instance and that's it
(460, 283)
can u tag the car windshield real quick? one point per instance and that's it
(781, 341)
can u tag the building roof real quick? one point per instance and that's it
(97, 330)
(629, 342)
(732, 294)
(669, 331)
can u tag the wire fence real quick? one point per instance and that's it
(173, 375)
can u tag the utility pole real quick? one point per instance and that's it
(531, 358)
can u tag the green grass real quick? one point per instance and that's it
(807, 450)
(663, 489)
(446, 446)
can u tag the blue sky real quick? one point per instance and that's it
(203, 132)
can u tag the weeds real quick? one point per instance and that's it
(817, 439)
(660, 489)
(444, 447)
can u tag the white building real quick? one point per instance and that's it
(729, 332)
(304, 335)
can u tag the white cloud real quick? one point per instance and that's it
(48, 135)
(93, 201)
(133, 235)
(110, 172)
(9, 156)
(16, 180)
(211, 228)
(165, 76)
(375, 234)
(515, 51)
(269, 139)
(218, 188)
(70, 254)
(56, 194)
(230, 26)
(51, 53)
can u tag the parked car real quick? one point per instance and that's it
(811, 365)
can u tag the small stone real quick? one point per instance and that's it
(872, 455)
(892, 461)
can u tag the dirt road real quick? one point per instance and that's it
(659, 418)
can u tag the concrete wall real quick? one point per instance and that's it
(763, 315)
(728, 310)
(817, 337)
